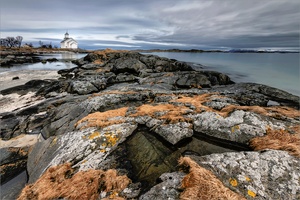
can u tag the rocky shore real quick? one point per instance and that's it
(123, 125)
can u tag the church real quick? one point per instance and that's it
(68, 42)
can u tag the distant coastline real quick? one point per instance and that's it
(217, 51)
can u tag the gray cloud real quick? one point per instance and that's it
(156, 24)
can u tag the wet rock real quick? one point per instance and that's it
(269, 174)
(52, 60)
(12, 162)
(15, 78)
(13, 188)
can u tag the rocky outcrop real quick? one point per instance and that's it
(139, 114)
(260, 175)
(9, 60)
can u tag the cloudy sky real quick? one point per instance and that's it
(148, 24)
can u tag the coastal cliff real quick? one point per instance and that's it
(125, 125)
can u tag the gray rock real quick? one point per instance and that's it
(82, 87)
(129, 65)
(85, 149)
(193, 80)
(168, 189)
(269, 174)
(174, 133)
(239, 126)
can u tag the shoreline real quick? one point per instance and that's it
(24, 76)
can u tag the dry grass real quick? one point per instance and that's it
(279, 140)
(104, 56)
(61, 182)
(201, 184)
(169, 112)
(112, 92)
(274, 111)
(197, 101)
(101, 119)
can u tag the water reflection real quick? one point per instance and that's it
(64, 62)
(64, 56)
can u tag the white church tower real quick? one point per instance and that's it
(68, 42)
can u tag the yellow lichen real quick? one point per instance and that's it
(251, 193)
(54, 141)
(234, 128)
(94, 135)
(233, 182)
(247, 178)
(111, 139)
(102, 150)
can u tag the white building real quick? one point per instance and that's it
(68, 42)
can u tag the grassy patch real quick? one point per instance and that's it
(201, 184)
(61, 182)
(102, 119)
(279, 140)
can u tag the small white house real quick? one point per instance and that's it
(68, 42)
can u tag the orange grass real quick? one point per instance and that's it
(171, 113)
(279, 140)
(112, 92)
(104, 53)
(61, 182)
(269, 111)
(101, 119)
(197, 101)
(201, 184)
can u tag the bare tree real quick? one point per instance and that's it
(3, 42)
(19, 40)
(11, 42)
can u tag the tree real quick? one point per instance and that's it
(11, 42)
(19, 40)
(3, 42)
(41, 43)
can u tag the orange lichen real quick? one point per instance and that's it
(279, 140)
(111, 139)
(251, 193)
(201, 184)
(94, 135)
(247, 178)
(233, 182)
(61, 182)
(102, 119)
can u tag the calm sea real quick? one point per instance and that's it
(62, 63)
(280, 70)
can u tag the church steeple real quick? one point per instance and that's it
(66, 35)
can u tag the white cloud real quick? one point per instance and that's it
(168, 22)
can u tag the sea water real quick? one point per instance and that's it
(279, 70)
(62, 63)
